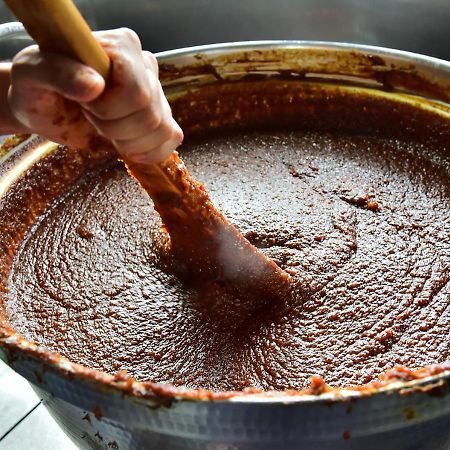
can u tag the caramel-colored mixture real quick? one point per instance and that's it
(361, 223)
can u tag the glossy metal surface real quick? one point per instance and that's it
(413, 25)
(401, 416)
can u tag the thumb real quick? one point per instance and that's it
(85, 85)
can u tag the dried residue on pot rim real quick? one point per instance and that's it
(366, 66)
(434, 380)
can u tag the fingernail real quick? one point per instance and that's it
(94, 75)
(170, 146)
(90, 83)
(178, 129)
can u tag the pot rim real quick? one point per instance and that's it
(301, 44)
(402, 382)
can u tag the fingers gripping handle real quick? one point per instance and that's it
(58, 27)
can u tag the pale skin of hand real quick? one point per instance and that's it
(69, 103)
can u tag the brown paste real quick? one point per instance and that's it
(362, 222)
(350, 196)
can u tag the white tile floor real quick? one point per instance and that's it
(24, 422)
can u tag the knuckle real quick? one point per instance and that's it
(177, 134)
(151, 61)
(152, 58)
(115, 41)
(24, 55)
(153, 120)
(141, 97)
(130, 36)
(166, 130)
(23, 61)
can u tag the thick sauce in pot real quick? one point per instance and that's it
(361, 223)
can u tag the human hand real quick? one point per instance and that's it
(68, 102)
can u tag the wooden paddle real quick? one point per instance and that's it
(201, 239)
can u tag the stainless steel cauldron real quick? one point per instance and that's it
(100, 411)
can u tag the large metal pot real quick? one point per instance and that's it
(101, 411)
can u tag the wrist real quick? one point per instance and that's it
(9, 124)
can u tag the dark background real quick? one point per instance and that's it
(421, 26)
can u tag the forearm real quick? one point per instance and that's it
(8, 123)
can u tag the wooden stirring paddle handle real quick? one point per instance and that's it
(58, 27)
